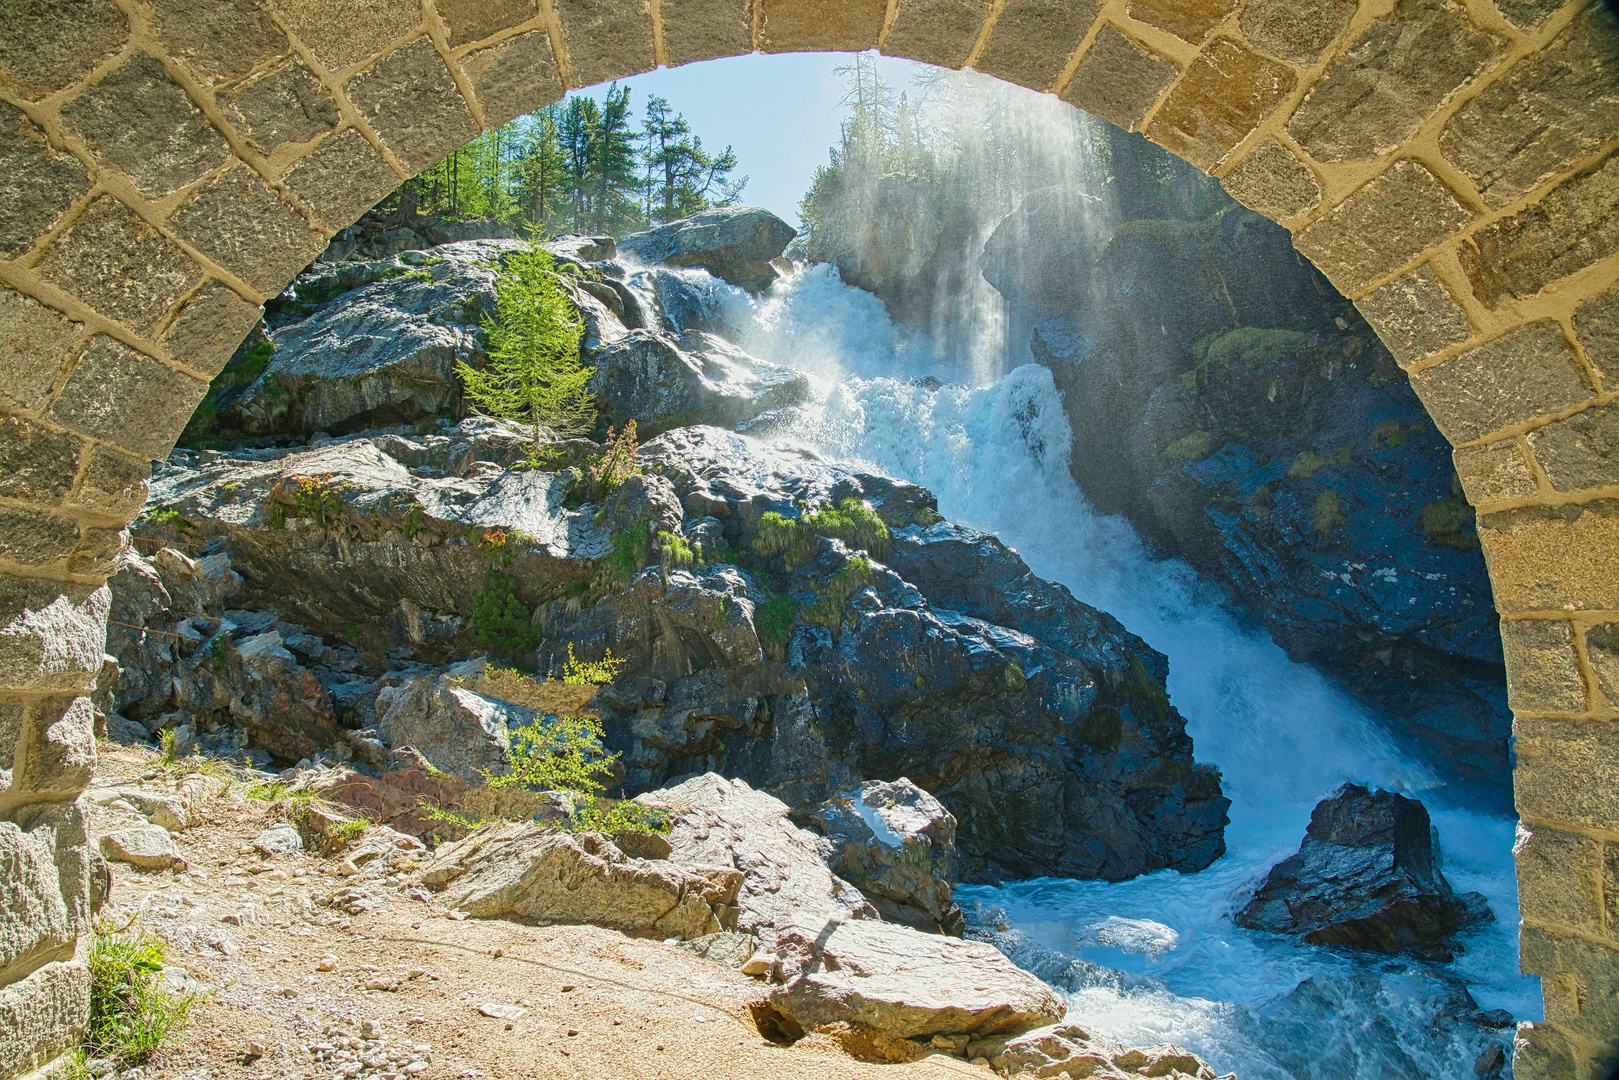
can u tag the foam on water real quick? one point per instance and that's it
(1282, 734)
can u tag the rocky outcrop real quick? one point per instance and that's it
(1366, 877)
(1072, 1050)
(662, 382)
(459, 730)
(734, 243)
(534, 873)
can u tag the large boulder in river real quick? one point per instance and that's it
(531, 872)
(1367, 877)
(661, 383)
(734, 243)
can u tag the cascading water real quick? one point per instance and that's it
(1283, 736)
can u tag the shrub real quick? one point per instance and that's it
(577, 672)
(131, 1014)
(851, 521)
(774, 621)
(616, 464)
(828, 610)
(629, 555)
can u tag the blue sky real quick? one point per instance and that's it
(779, 113)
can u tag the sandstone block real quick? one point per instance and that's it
(36, 464)
(1033, 39)
(342, 33)
(1526, 373)
(119, 265)
(123, 397)
(140, 120)
(606, 39)
(114, 483)
(237, 221)
(1540, 1053)
(1543, 673)
(43, 1015)
(820, 25)
(1415, 316)
(144, 846)
(515, 77)
(343, 178)
(1581, 451)
(1119, 80)
(1272, 181)
(1376, 93)
(1553, 558)
(1385, 224)
(35, 341)
(703, 29)
(1222, 97)
(413, 103)
(1573, 226)
(37, 183)
(285, 105)
(1494, 472)
(1602, 650)
(1596, 326)
(218, 39)
(1567, 771)
(52, 635)
(209, 328)
(1187, 21)
(1580, 981)
(940, 32)
(1546, 114)
(42, 919)
(1295, 29)
(36, 539)
(466, 21)
(1529, 13)
(50, 46)
(97, 550)
(1559, 877)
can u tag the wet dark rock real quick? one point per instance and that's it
(734, 243)
(1366, 877)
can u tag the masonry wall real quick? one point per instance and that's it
(167, 165)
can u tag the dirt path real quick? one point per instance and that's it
(401, 994)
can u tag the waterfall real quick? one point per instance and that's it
(1282, 734)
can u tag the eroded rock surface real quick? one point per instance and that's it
(734, 243)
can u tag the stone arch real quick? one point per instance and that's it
(166, 165)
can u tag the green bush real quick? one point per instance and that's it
(828, 610)
(851, 521)
(774, 621)
(131, 1014)
(629, 555)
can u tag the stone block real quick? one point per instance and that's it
(1119, 80)
(1551, 110)
(36, 464)
(342, 33)
(1543, 672)
(35, 342)
(139, 119)
(343, 178)
(130, 400)
(38, 183)
(1032, 40)
(606, 39)
(209, 328)
(119, 265)
(1571, 227)
(1540, 1053)
(1580, 452)
(1560, 878)
(1298, 30)
(1529, 13)
(285, 105)
(33, 538)
(1526, 373)
(1568, 770)
(12, 711)
(941, 32)
(1580, 982)
(820, 25)
(1377, 92)
(1190, 21)
(113, 483)
(239, 223)
(466, 21)
(43, 1015)
(515, 77)
(696, 30)
(1596, 327)
(46, 47)
(1602, 650)
(413, 103)
(55, 753)
(1222, 97)
(1272, 181)
(1382, 226)
(52, 634)
(1494, 472)
(1415, 316)
(218, 39)
(1553, 558)
(96, 553)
